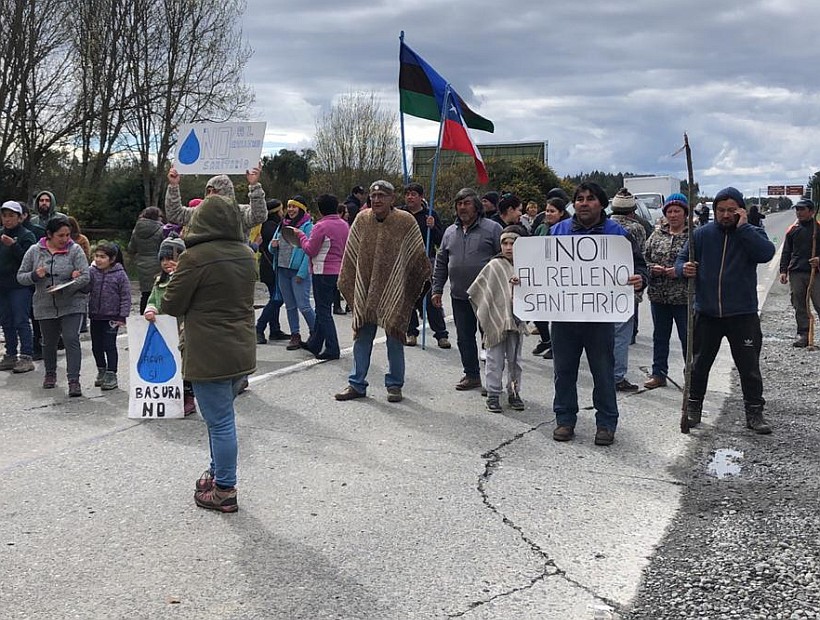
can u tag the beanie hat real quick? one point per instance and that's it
(557, 192)
(624, 202)
(513, 231)
(171, 247)
(509, 201)
(676, 199)
(382, 186)
(299, 202)
(492, 197)
(729, 193)
(802, 203)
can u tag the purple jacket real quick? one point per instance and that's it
(110, 298)
(326, 245)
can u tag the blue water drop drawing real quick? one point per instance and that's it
(189, 151)
(156, 363)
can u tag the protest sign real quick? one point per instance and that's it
(219, 148)
(156, 368)
(573, 278)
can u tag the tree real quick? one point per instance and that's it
(287, 173)
(185, 62)
(356, 140)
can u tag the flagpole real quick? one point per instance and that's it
(431, 202)
(401, 122)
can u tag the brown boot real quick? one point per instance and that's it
(295, 342)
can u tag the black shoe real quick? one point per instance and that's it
(260, 338)
(694, 412)
(756, 421)
(37, 356)
(338, 310)
(540, 348)
(547, 354)
(604, 436)
(324, 355)
(494, 403)
(625, 386)
(279, 335)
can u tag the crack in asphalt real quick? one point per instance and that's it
(493, 459)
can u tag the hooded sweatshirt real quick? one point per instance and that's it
(39, 220)
(212, 289)
(11, 256)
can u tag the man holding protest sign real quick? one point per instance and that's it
(570, 339)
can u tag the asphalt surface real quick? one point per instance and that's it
(429, 508)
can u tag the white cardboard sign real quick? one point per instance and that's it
(573, 278)
(155, 363)
(219, 148)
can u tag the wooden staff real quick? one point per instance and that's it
(810, 288)
(690, 294)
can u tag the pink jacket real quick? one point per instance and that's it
(326, 245)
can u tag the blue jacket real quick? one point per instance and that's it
(726, 283)
(299, 261)
(606, 226)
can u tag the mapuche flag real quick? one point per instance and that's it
(456, 138)
(421, 92)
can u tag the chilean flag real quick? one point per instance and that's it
(456, 138)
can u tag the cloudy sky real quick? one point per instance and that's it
(610, 85)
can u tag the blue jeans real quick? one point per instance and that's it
(270, 313)
(623, 336)
(14, 317)
(662, 317)
(324, 330)
(466, 328)
(569, 340)
(215, 399)
(362, 349)
(296, 297)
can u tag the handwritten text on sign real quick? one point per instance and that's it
(219, 148)
(155, 389)
(574, 278)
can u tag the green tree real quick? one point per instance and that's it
(287, 173)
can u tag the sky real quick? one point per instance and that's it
(611, 86)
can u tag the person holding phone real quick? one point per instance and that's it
(727, 252)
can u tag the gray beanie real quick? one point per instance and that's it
(171, 247)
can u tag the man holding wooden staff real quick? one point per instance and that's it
(727, 252)
(797, 262)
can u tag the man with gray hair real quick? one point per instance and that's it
(467, 245)
(251, 214)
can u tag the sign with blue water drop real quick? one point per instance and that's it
(155, 386)
(189, 151)
(219, 148)
(156, 363)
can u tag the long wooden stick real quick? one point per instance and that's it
(810, 288)
(690, 294)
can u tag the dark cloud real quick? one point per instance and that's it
(611, 86)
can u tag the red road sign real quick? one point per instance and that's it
(776, 190)
(794, 190)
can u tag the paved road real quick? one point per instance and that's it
(430, 508)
